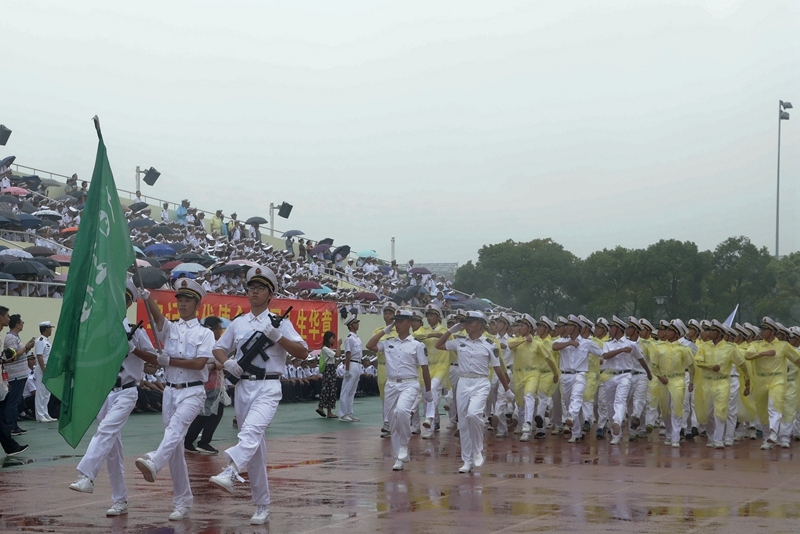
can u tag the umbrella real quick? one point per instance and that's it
(63, 259)
(3, 220)
(8, 160)
(342, 251)
(18, 268)
(385, 269)
(138, 250)
(138, 206)
(194, 268)
(49, 182)
(60, 278)
(326, 241)
(47, 214)
(229, 267)
(143, 263)
(47, 262)
(6, 276)
(196, 258)
(419, 270)
(256, 220)
(365, 295)
(292, 233)
(159, 249)
(368, 254)
(153, 262)
(320, 248)
(29, 221)
(177, 247)
(27, 207)
(69, 199)
(450, 297)
(152, 278)
(308, 284)
(141, 223)
(407, 293)
(168, 266)
(157, 230)
(39, 251)
(17, 253)
(16, 191)
(10, 215)
(32, 181)
(70, 230)
(324, 290)
(247, 263)
(9, 199)
(182, 274)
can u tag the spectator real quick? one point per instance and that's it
(216, 224)
(165, 213)
(72, 185)
(138, 196)
(289, 246)
(18, 371)
(232, 225)
(254, 233)
(5, 183)
(182, 212)
(301, 250)
(199, 220)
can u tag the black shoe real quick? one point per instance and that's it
(18, 432)
(539, 421)
(208, 449)
(188, 447)
(22, 448)
(586, 426)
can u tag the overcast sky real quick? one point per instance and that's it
(448, 125)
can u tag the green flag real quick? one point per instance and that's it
(90, 341)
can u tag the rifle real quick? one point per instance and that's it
(134, 328)
(256, 346)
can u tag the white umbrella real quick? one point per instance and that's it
(18, 253)
(46, 213)
(188, 268)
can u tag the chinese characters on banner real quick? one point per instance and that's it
(310, 318)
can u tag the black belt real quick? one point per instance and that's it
(120, 385)
(509, 367)
(454, 364)
(620, 372)
(264, 377)
(638, 373)
(570, 372)
(185, 384)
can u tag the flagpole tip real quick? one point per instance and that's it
(96, 123)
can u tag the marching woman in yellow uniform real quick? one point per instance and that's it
(794, 340)
(592, 376)
(603, 375)
(648, 343)
(438, 365)
(769, 357)
(790, 396)
(530, 359)
(389, 310)
(713, 363)
(671, 361)
(548, 385)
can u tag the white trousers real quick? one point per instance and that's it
(492, 398)
(179, 407)
(432, 408)
(454, 377)
(616, 393)
(673, 423)
(349, 387)
(572, 388)
(472, 394)
(401, 398)
(42, 395)
(602, 405)
(106, 444)
(503, 406)
(256, 402)
(638, 394)
(733, 409)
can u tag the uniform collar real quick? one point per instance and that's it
(261, 317)
(190, 322)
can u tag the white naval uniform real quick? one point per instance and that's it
(42, 394)
(106, 444)
(255, 401)
(574, 364)
(353, 345)
(638, 392)
(617, 387)
(689, 416)
(502, 405)
(181, 402)
(475, 356)
(402, 390)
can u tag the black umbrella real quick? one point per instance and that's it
(326, 241)
(342, 251)
(323, 247)
(152, 261)
(9, 199)
(8, 160)
(138, 206)
(292, 233)
(141, 223)
(158, 230)
(10, 215)
(29, 221)
(4, 221)
(31, 182)
(177, 247)
(229, 267)
(27, 207)
(419, 270)
(39, 251)
(49, 182)
(6, 276)
(47, 262)
(256, 220)
(18, 268)
(69, 199)
(192, 257)
(407, 293)
(152, 277)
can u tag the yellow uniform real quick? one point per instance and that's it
(593, 376)
(714, 387)
(438, 360)
(530, 363)
(548, 387)
(769, 379)
(671, 360)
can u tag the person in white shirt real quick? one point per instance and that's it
(404, 355)
(187, 351)
(258, 390)
(475, 355)
(5, 183)
(138, 197)
(42, 352)
(353, 352)
(165, 213)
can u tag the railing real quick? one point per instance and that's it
(24, 288)
(15, 236)
(39, 172)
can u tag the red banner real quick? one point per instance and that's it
(311, 318)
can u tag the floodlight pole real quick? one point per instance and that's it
(782, 116)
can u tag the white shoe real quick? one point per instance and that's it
(84, 484)
(451, 425)
(466, 468)
(766, 446)
(119, 508)
(346, 419)
(427, 422)
(52, 419)
(179, 513)
(676, 444)
(354, 418)
(398, 465)
(427, 433)
(501, 434)
(385, 432)
(568, 422)
(478, 460)
(526, 428)
(710, 444)
(719, 445)
(261, 516)
(773, 437)
(147, 467)
(402, 454)
(784, 444)
(667, 442)
(615, 440)
(225, 480)
(574, 439)
(526, 436)
(728, 443)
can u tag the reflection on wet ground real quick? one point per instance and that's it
(342, 482)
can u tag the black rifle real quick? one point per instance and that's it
(134, 328)
(256, 346)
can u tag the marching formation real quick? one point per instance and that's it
(701, 378)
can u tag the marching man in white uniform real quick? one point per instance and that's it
(475, 355)
(404, 355)
(259, 388)
(106, 444)
(42, 352)
(353, 353)
(187, 351)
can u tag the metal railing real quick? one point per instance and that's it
(24, 288)
(39, 172)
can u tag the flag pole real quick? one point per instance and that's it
(147, 308)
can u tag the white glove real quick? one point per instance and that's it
(163, 359)
(233, 368)
(510, 395)
(389, 328)
(456, 328)
(428, 396)
(143, 293)
(347, 374)
(273, 333)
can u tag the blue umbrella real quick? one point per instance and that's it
(369, 253)
(292, 233)
(29, 221)
(450, 297)
(137, 250)
(160, 250)
(177, 247)
(324, 290)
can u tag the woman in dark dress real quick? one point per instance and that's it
(327, 359)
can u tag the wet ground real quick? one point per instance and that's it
(327, 476)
